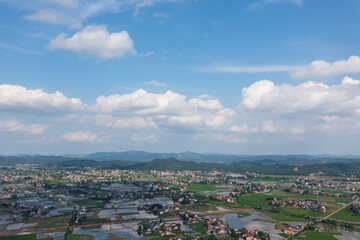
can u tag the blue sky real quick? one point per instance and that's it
(244, 77)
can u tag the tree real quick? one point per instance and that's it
(139, 230)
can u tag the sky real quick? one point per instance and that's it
(235, 76)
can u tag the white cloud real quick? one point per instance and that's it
(46, 15)
(230, 139)
(328, 119)
(167, 108)
(270, 127)
(65, 3)
(306, 97)
(15, 126)
(155, 83)
(322, 69)
(259, 3)
(75, 12)
(95, 40)
(15, 98)
(349, 80)
(147, 54)
(150, 139)
(243, 128)
(298, 129)
(136, 122)
(81, 137)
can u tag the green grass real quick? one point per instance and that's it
(284, 218)
(312, 235)
(284, 235)
(201, 187)
(96, 204)
(300, 212)
(198, 227)
(81, 237)
(255, 200)
(346, 215)
(199, 208)
(53, 221)
(20, 237)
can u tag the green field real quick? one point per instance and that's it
(201, 187)
(284, 218)
(311, 235)
(22, 237)
(255, 200)
(346, 215)
(300, 212)
(81, 237)
(198, 227)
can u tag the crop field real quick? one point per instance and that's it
(300, 212)
(312, 235)
(284, 218)
(346, 215)
(201, 187)
(20, 237)
(255, 200)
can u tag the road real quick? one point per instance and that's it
(338, 210)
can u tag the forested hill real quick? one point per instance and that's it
(334, 169)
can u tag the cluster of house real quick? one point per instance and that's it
(22, 212)
(308, 205)
(190, 217)
(215, 226)
(80, 214)
(291, 230)
(246, 234)
(355, 208)
(159, 227)
(223, 198)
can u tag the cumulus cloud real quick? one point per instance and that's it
(322, 69)
(167, 108)
(149, 139)
(81, 137)
(306, 97)
(16, 126)
(95, 40)
(46, 15)
(15, 98)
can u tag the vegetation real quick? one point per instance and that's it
(201, 187)
(312, 235)
(285, 218)
(20, 237)
(346, 215)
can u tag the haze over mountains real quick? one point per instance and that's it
(143, 156)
